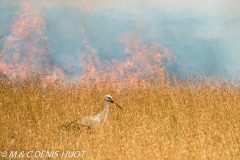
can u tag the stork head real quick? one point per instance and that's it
(109, 98)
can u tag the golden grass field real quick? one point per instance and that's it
(159, 120)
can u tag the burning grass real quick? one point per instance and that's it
(159, 120)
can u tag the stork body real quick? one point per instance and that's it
(95, 120)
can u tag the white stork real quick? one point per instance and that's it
(95, 120)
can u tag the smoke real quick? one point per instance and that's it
(90, 40)
(27, 50)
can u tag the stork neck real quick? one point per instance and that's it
(105, 111)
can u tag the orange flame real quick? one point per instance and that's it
(26, 50)
(143, 60)
(21, 55)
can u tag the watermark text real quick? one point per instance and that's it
(43, 154)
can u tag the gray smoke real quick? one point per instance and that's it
(201, 42)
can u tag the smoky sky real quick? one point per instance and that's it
(201, 41)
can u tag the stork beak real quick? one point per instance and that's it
(112, 101)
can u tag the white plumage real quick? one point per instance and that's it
(97, 119)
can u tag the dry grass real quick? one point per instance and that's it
(164, 122)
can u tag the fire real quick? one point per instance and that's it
(142, 60)
(21, 55)
(26, 53)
